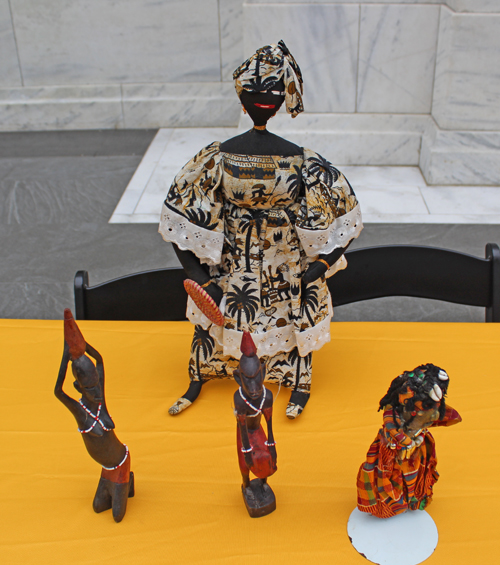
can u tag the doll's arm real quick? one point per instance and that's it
(271, 444)
(395, 431)
(317, 268)
(245, 441)
(98, 359)
(71, 404)
(93, 353)
(198, 272)
(451, 417)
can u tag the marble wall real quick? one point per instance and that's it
(396, 58)
(324, 40)
(457, 5)
(10, 74)
(354, 57)
(467, 81)
(89, 42)
(397, 52)
(108, 64)
(169, 63)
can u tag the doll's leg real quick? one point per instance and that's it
(245, 477)
(302, 389)
(200, 337)
(115, 487)
(207, 361)
(187, 398)
(292, 371)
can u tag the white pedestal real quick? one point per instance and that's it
(405, 539)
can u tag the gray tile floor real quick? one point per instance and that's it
(59, 189)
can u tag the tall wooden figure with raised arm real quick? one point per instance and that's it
(255, 453)
(95, 425)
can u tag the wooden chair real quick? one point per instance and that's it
(373, 272)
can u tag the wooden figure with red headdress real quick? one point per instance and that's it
(95, 425)
(256, 453)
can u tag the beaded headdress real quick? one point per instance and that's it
(266, 67)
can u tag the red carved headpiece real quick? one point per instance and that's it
(247, 345)
(73, 336)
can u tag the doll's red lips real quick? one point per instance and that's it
(266, 106)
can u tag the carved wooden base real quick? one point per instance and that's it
(113, 495)
(259, 498)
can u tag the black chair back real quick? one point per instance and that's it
(373, 272)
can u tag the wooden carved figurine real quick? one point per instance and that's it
(400, 468)
(255, 453)
(95, 425)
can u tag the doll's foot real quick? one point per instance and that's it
(298, 401)
(179, 406)
(186, 399)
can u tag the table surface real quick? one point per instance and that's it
(188, 506)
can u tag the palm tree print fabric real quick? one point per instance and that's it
(208, 361)
(258, 221)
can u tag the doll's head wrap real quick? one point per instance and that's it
(267, 66)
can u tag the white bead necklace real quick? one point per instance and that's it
(256, 410)
(119, 464)
(95, 417)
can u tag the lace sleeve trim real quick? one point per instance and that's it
(277, 340)
(339, 234)
(205, 244)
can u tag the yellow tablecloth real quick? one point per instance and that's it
(188, 506)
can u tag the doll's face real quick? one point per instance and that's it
(421, 420)
(87, 380)
(263, 105)
(252, 385)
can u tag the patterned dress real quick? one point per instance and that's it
(258, 221)
(388, 485)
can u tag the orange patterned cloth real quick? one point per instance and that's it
(397, 474)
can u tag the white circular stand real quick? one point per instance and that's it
(405, 539)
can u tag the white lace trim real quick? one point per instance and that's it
(314, 338)
(205, 244)
(270, 343)
(338, 234)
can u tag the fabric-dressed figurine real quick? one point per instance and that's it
(259, 223)
(95, 425)
(400, 467)
(256, 453)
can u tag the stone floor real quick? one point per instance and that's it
(58, 191)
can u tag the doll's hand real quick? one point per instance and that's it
(419, 440)
(315, 270)
(272, 452)
(215, 292)
(407, 452)
(249, 459)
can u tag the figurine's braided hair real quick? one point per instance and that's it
(417, 386)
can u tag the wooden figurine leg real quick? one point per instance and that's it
(246, 480)
(114, 489)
